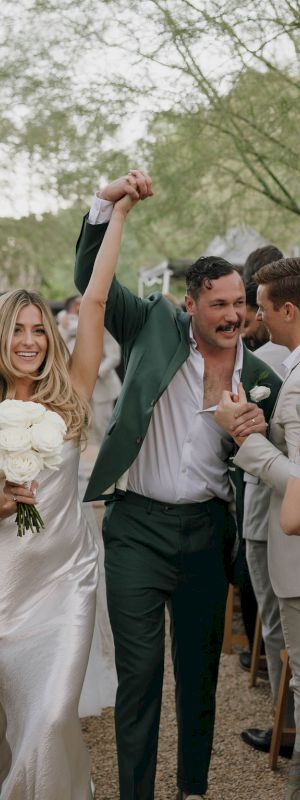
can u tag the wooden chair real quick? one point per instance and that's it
(257, 660)
(280, 734)
(231, 639)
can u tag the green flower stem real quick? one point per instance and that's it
(28, 518)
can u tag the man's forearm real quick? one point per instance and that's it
(260, 457)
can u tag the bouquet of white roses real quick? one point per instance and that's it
(31, 439)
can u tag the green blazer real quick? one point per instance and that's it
(154, 336)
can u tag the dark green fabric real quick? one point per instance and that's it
(157, 554)
(154, 336)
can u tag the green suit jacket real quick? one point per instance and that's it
(154, 336)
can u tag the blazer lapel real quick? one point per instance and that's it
(181, 353)
(248, 377)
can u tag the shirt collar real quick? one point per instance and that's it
(239, 351)
(291, 359)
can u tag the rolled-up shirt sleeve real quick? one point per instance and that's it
(100, 211)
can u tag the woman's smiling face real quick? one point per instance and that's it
(29, 343)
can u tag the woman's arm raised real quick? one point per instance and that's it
(88, 348)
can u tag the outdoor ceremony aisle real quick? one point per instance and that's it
(237, 772)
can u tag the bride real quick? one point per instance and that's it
(48, 580)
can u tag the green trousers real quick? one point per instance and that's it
(156, 555)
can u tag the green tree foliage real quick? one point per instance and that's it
(240, 63)
(39, 253)
(217, 87)
(206, 179)
(54, 121)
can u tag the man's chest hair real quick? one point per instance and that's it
(216, 379)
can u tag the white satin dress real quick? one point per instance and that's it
(48, 584)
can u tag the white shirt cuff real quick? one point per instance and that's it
(295, 470)
(100, 211)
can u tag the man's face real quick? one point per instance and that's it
(273, 319)
(219, 312)
(74, 307)
(254, 332)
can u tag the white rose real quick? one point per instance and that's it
(21, 467)
(51, 460)
(259, 393)
(35, 411)
(19, 413)
(15, 439)
(56, 419)
(46, 437)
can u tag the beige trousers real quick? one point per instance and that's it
(290, 618)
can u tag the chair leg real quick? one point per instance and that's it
(280, 707)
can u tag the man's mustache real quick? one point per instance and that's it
(229, 327)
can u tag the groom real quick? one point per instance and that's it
(168, 532)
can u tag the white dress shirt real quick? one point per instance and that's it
(100, 211)
(184, 456)
(289, 362)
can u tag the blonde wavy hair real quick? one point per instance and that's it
(52, 386)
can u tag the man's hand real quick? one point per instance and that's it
(238, 417)
(136, 184)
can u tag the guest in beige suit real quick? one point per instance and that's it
(107, 387)
(279, 308)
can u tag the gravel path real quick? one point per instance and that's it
(237, 772)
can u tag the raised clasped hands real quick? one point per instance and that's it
(136, 185)
(238, 417)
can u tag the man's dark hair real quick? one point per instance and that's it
(70, 300)
(283, 281)
(205, 270)
(258, 258)
(251, 292)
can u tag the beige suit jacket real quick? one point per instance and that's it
(257, 494)
(108, 384)
(269, 460)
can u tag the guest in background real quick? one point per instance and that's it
(107, 387)
(67, 320)
(279, 308)
(255, 333)
(258, 258)
(255, 524)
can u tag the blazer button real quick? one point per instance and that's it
(152, 403)
(139, 439)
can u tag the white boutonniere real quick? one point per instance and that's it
(259, 392)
